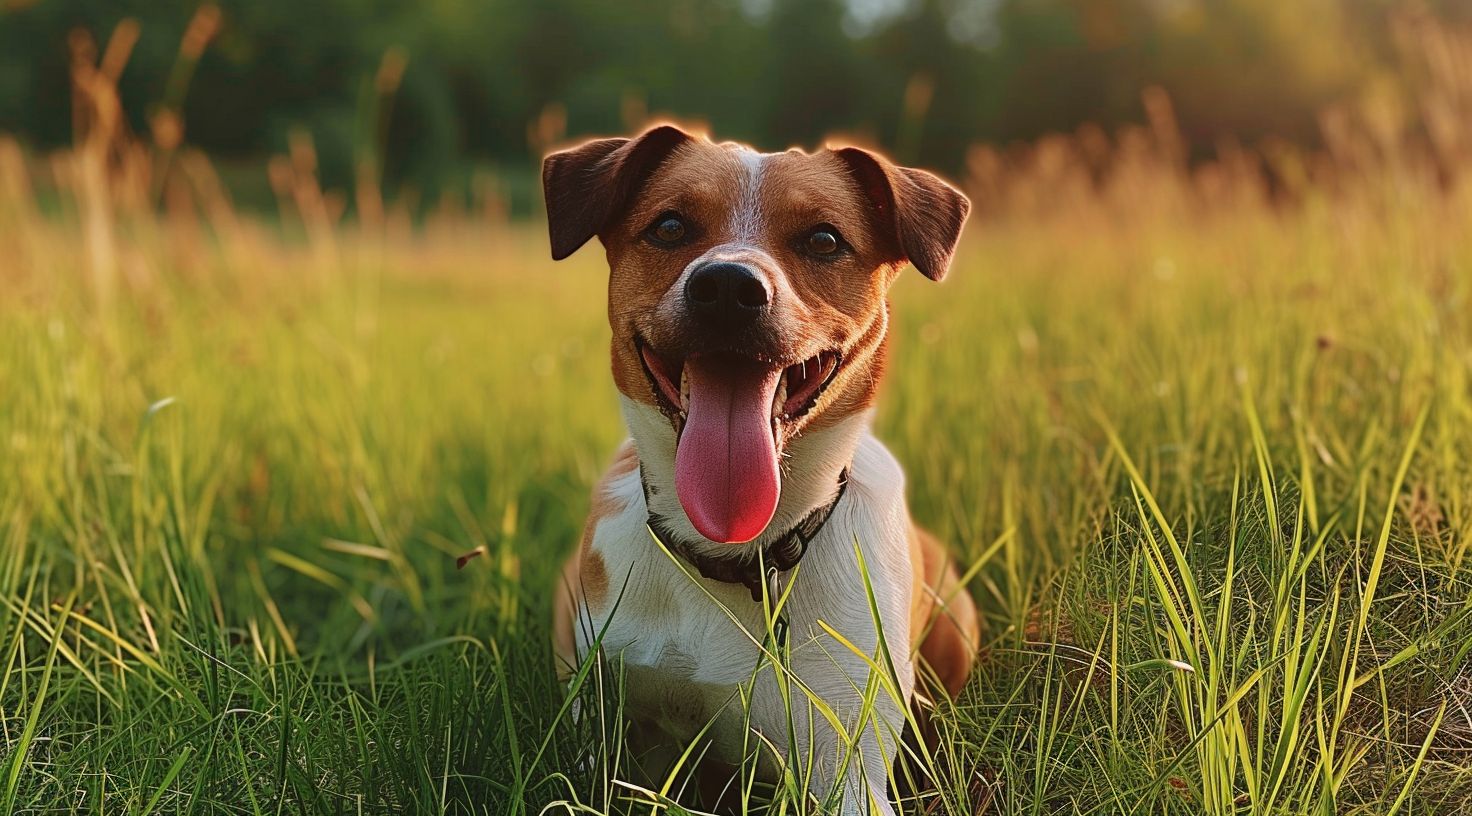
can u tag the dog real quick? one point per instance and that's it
(748, 301)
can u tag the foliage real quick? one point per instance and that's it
(495, 80)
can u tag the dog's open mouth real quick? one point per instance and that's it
(797, 390)
(729, 408)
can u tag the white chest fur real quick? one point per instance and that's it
(690, 645)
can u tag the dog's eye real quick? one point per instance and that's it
(668, 229)
(822, 241)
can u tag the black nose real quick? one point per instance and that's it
(729, 294)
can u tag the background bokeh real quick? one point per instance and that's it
(490, 83)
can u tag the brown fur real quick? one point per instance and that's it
(943, 620)
(615, 188)
(839, 304)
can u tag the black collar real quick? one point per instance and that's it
(779, 555)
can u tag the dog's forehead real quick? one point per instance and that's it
(754, 187)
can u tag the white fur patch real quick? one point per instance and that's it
(746, 220)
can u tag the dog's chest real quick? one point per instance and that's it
(685, 661)
(690, 648)
(684, 655)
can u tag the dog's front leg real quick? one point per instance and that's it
(856, 760)
(826, 674)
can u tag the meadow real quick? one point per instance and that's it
(1201, 436)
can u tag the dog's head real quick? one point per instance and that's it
(747, 293)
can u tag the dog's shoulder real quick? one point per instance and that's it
(583, 583)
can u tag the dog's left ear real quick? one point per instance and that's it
(585, 185)
(923, 213)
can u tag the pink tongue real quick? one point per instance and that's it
(726, 464)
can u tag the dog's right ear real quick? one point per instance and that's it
(585, 185)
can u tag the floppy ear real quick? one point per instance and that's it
(924, 213)
(586, 185)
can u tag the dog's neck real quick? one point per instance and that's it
(811, 466)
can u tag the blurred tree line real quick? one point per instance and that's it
(494, 81)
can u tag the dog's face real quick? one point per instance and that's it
(746, 293)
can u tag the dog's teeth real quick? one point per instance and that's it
(780, 398)
(684, 390)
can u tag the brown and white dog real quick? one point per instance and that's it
(748, 302)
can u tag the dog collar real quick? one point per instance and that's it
(779, 555)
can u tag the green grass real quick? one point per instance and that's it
(1214, 477)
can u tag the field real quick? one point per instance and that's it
(1205, 449)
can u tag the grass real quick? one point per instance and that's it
(1206, 457)
(1219, 477)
